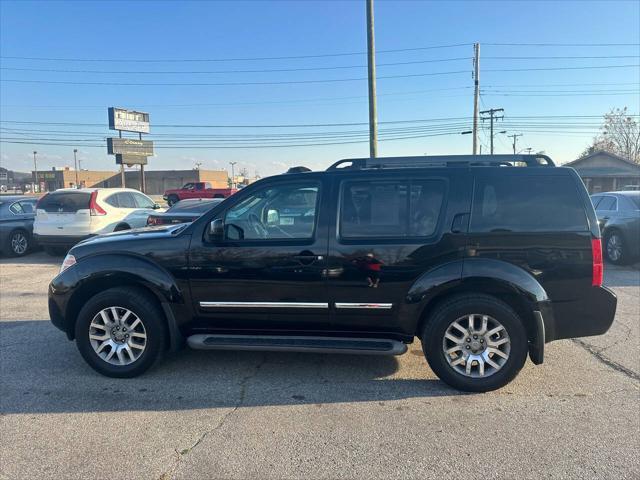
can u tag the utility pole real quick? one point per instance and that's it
(143, 185)
(233, 175)
(515, 138)
(476, 93)
(371, 63)
(75, 165)
(35, 173)
(492, 116)
(122, 179)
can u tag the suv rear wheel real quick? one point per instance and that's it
(475, 343)
(120, 332)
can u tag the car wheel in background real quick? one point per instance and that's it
(475, 343)
(615, 249)
(121, 227)
(18, 243)
(172, 200)
(120, 332)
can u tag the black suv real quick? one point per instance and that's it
(483, 258)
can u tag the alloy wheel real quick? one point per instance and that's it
(614, 247)
(117, 335)
(476, 345)
(19, 243)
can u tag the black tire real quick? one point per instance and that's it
(172, 200)
(18, 243)
(148, 311)
(56, 251)
(461, 306)
(121, 227)
(617, 253)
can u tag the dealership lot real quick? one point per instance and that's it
(278, 415)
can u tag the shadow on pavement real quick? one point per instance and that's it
(622, 276)
(42, 372)
(35, 258)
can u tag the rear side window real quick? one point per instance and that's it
(391, 209)
(65, 202)
(126, 200)
(608, 203)
(527, 204)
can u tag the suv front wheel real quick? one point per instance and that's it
(475, 343)
(120, 333)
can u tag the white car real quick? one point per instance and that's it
(67, 216)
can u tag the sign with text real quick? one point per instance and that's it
(130, 160)
(130, 147)
(128, 120)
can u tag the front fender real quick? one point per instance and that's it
(143, 270)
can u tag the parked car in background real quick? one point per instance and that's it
(196, 190)
(185, 211)
(67, 216)
(619, 219)
(372, 254)
(16, 224)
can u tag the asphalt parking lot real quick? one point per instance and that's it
(279, 415)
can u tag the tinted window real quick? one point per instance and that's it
(113, 200)
(635, 200)
(126, 200)
(595, 200)
(390, 209)
(607, 203)
(193, 207)
(16, 208)
(527, 204)
(28, 206)
(65, 202)
(142, 201)
(282, 212)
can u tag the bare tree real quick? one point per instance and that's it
(620, 135)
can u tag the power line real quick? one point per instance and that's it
(271, 70)
(332, 80)
(240, 59)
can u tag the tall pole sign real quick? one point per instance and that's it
(129, 151)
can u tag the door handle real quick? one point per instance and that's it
(307, 258)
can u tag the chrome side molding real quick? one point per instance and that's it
(263, 305)
(375, 306)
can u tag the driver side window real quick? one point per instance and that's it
(280, 212)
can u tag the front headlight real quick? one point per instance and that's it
(68, 261)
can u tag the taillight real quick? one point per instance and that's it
(598, 267)
(152, 221)
(95, 209)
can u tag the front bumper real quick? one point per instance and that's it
(59, 293)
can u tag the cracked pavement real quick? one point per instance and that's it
(287, 415)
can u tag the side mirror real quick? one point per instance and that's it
(156, 206)
(216, 229)
(273, 217)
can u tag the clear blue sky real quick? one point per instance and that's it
(162, 30)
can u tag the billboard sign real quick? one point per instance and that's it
(128, 120)
(130, 160)
(129, 147)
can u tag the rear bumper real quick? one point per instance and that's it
(591, 315)
(59, 240)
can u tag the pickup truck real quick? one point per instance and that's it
(196, 190)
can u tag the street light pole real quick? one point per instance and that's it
(75, 164)
(35, 173)
(233, 175)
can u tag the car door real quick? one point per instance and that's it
(390, 229)
(607, 209)
(267, 270)
(145, 206)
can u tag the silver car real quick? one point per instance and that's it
(619, 219)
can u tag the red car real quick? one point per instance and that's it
(196, 190)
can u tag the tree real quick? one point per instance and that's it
(620, 135)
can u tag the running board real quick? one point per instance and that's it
(279, 343)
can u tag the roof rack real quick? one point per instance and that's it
(444, 161)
